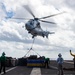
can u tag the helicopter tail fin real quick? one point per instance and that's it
(46, 34)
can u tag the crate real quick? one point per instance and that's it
(35, 63)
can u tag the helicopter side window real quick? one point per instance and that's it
(30, 23)
(38, 24)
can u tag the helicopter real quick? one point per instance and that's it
(33, 25)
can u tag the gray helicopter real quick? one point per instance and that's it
(33, 25)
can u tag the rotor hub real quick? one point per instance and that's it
(35, 18)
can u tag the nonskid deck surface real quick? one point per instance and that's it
(23, 70)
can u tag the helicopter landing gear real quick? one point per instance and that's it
(43, 35)
(32, 36)
(29, 32)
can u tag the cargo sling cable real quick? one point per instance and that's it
(31, 47)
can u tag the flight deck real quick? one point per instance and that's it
(52, 70)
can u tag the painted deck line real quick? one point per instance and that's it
(69, 62)
(54, 67)
(36, 71)
(9, 70)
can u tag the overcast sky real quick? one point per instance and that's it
(15, 40)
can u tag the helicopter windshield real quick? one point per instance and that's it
(31, 21)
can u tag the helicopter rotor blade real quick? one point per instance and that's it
(17, 18)
(29, 10)
(47, 21)
(52, 15)
(21, 18)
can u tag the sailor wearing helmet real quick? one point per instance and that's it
(3, 61)
(59, 63)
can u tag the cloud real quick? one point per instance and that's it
(70, 4)
(13, 38)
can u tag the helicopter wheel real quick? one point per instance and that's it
(43, 35)
(32, 36)
(29, 32)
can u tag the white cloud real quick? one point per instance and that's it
(15, 40)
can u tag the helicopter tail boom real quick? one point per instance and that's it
(47, 33)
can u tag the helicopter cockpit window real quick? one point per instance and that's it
(31, 22)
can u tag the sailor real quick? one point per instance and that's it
(59, 63)
(3, 61)
(47, 62)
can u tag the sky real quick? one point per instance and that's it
(15, 41)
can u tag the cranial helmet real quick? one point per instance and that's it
(3, 53)
(59, 55)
